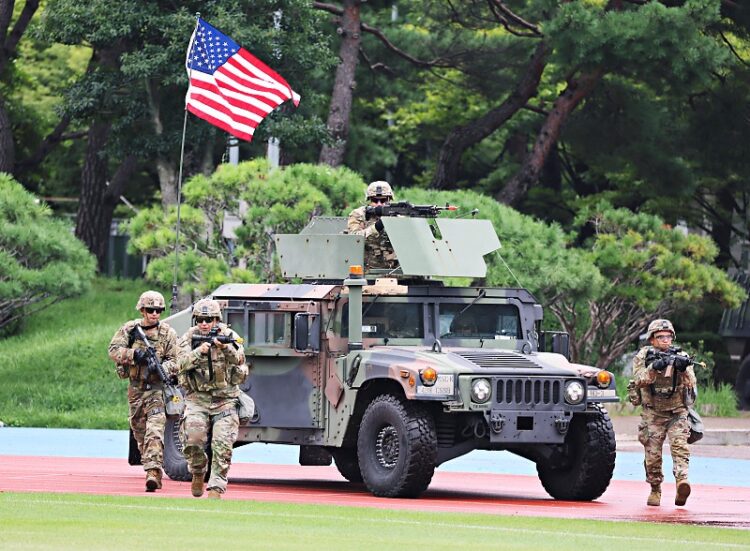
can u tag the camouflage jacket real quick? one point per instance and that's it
(656, 387)
(378, 248)
(162, 337)
(226, 372)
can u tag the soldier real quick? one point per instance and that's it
(378, 248)
(146, 392)
(665, 380)
(210, 374)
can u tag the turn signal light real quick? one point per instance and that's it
(428, 376)
(356, 270)
(603, 378)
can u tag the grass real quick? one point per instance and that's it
(68, 521)
(56, 372)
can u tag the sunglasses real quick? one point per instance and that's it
(379, 201)
(154, 310)
(204, 320)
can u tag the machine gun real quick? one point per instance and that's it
(404, 208)
(173, 401)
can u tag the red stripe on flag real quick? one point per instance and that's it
(236, 103)
(219, 123)
(258, 64)
(239, 118)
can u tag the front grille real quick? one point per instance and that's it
(498, 360)
(529, 391)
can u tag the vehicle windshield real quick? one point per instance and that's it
(390, 320)
(494, 321)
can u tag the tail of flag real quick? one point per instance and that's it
(229, 86)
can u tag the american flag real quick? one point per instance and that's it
(229, 86)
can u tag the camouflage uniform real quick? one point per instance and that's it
(664, 416)
(378, 248)
(211, 399)
(145, 398)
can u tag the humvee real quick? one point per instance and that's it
(389, 374)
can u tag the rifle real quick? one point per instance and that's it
(173, 401)
(664, 361)
(404, 208)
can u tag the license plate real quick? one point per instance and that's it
(602, 393)
(443, 385)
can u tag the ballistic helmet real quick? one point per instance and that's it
(207, 308)
(379, 189)
(150, 299)
(659, 325)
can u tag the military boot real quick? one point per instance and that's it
(153, 480)
(683, 491)
(654, 498)
(214, 494)
(197, 486)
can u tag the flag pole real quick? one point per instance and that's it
(173, 304)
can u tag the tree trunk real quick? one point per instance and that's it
(721, 228)
(343, 88)
(528, 174)
(7, 145)
(94, 216)
(167, 172)
(463, 137)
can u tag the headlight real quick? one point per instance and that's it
(574, 392)
(480, 391)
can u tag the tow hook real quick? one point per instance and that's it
(497, 421)
(562, 425)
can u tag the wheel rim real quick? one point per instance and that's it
(387, 447)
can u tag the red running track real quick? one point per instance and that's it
(449, 492)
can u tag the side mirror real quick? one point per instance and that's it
(306, 332)
(555, 341)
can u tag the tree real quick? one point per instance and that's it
(649, 270)
(40, 260)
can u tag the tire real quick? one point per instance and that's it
(585, 468)
(347, 463)
(175, 464)
(397, 447)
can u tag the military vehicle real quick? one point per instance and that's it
(391, 373)
(735, 329)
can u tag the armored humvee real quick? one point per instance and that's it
(390, 374)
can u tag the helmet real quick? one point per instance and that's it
(150, 299)
(659, 325)
(207, 308)
(379, 189)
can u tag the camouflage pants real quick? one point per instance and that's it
(225, 424)
(654, 428)
(147, 421)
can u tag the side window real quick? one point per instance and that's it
(270, 329)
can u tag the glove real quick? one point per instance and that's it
(379, 224)
(139, 356)
(659, 365)
(372, 212)
(681, 363)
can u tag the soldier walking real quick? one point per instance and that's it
(378, 248)
(665, 380)
(146, 391)
(210, 374)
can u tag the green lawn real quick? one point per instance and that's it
(56, 372)
(69, 521)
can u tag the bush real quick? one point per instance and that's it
(41, 262)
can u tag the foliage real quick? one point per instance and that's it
(282, 201)
(41, 262)
(649, 268)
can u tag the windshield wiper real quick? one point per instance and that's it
(481, 295)
(370, 306)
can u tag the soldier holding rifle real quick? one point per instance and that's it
(665, 384)
(129, 350)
